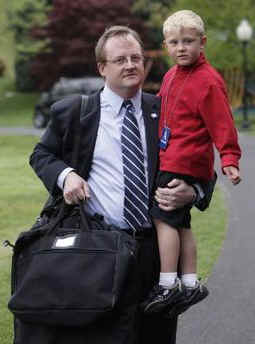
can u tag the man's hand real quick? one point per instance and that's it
(75, 188)
(175, 195)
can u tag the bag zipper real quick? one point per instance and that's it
(73, 250)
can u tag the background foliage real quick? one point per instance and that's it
(221, 20)
(68, 52)
(56, 38)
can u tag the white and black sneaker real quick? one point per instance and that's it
(161, 297)
(190, 297)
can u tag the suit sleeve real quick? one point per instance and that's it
(203, 203)
(47, 158)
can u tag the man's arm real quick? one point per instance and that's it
(208, 187)
(47, 158)
(179, 193)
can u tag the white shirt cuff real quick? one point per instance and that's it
(62, 177)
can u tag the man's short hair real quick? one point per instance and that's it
(184, 19)
(114, 31)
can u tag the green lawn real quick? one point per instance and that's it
(16, 108)
(22, 196)
(209, 228)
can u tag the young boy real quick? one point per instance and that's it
(194, 114)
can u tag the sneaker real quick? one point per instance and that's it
(160, 297)
(190, 297)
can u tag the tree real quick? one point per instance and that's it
(221, 19)
(22, 19)
(153, 13)
(71, 33)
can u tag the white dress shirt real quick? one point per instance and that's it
(106, 180)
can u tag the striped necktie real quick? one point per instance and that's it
(135, 187)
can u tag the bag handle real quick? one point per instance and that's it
(64, 212)
(65, 209)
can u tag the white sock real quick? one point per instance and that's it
(167, 279)
(189, 280)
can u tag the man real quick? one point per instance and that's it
(105, 155)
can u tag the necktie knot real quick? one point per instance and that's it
(129, 106)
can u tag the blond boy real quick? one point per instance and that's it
(195, 114)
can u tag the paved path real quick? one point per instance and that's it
(20, 131)
(227, 316)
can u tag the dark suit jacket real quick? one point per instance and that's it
(54, 152)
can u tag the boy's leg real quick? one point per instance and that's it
(188, 257)
(193, 290)
(169, 289)
(169, 246)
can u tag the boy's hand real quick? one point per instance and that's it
(233, 174)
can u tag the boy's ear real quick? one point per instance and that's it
(203, 41)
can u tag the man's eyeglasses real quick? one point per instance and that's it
(122, 60)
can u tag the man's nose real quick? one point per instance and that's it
(129, 62)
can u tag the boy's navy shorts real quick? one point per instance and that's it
(178, 218)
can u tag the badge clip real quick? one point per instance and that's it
(165, 137)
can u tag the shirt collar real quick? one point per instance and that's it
(115, 101)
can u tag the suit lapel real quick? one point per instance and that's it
(151, 108)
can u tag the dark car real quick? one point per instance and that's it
(63, 88)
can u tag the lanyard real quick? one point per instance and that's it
(166, 131)
(165, 103)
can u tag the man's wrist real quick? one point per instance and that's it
(62, 177)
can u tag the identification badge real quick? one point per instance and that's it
(165, 137)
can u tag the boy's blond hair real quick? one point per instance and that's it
(184, 19)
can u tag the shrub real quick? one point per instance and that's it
(72, 31)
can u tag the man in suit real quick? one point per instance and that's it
(101, 182)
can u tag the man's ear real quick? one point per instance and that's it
(100, 67)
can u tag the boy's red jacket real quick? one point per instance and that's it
(195, 107)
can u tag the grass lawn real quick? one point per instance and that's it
(209, 228)
(22, 197)
(16, 108)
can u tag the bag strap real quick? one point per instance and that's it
(65, 209)
(77, 135)
(52, 202)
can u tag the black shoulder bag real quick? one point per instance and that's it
(70, 276)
